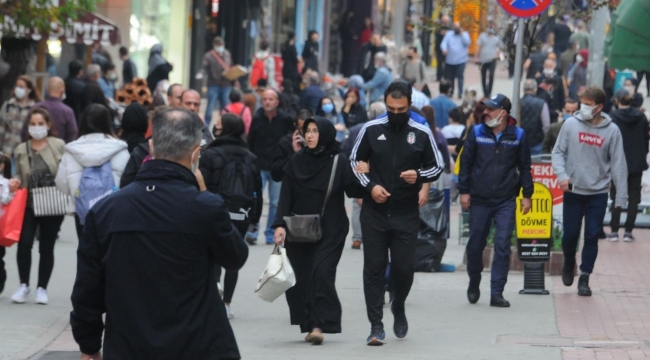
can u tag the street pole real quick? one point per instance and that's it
(518, 63)
(596, 66)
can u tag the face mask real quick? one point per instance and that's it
(579, 59)
(549, 72)
(410, 57)
(587, 111)
(112, 77)
(566, 116)
(495, 122)
(219, 49)
(195, 165)
(457, 31)
(398, 119)
(327, 108)
(63, 97)
(38, 132)
(630, 89)
(20, 92)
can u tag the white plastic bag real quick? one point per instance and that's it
(278, 276)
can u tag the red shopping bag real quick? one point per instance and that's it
(11, 220)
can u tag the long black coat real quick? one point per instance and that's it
(146, 261)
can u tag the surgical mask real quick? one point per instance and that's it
(219, 49)
(398, 119)
(112, 77)
(579, 59)
(494, 122)
(20, 92)
(195, 165)
(327, 108)
(549, 72)
(38, 132)
(587, 111)
(630, 89)
(566, 116)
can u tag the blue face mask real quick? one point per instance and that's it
(566, 116)
(327, 108)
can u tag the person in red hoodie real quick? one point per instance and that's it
(237, 107)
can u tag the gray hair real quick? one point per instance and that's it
(377, 108)
(176, 133)
(381, 56)
(93, 69)
(530, 85)
(313, 77)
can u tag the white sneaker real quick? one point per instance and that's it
(41, 296)
(231, 315)
(20, 295)
(220, 288)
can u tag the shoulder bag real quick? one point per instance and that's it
(307, 228)
(47, 199)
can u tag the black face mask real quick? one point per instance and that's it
(457, 31)
(410, 57)
(398, 119)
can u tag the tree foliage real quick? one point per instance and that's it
(40, 14)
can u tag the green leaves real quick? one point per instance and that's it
(40, 16)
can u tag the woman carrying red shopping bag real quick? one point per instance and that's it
(11, 212)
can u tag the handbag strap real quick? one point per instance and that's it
(220, 60)
(329, 186)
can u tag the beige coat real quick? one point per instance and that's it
(51, 154)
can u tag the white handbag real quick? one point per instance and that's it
(278, 276)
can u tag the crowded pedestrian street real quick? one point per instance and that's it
(324, 179)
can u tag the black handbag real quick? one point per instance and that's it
(307, 228)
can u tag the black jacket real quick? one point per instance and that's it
(290, 63)
(493, 171)
(366, 66)
(264, 136)
(129, 71)
(634, 127)
(283, 152)
(357, 115)
(310, 55)
(138, 155)
(391, 151)
(74, 96)
(145, 260)
(213, 160)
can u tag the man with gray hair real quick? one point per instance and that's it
(381, 80)
(157, 241)
(535, 117)
(310, 97)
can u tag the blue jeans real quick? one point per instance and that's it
(536, 150)
(456, 72)
(576, 207)
(216, 93)
(481, 217)
(274, 197)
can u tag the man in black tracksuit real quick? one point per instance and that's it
(402, 155)
(494, 166)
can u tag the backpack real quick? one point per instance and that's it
(237, 188)
(258, 71)
(96, 183)
(227, 110)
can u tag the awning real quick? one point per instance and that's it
(628, 38)
(90, 28)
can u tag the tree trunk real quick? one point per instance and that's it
(21, 56)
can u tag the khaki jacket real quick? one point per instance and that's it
(51, 154)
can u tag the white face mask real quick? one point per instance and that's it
(579, 59)
(494, 122)
(549, 72)
(586, 111)
(38, 132)
(630, 89)
(219, 49)
(112, 77)
(20, 92)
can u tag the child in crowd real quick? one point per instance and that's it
(8, 187)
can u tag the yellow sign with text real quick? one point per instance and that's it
(538, 223)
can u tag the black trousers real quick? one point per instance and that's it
(3, 272)
(49, 229)
(633, 200)
(639, 77)
(487, 80)
(229, 283)
(381, 234)
(440, 66)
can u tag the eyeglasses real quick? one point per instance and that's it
(314, 132)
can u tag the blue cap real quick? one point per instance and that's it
(498, 101)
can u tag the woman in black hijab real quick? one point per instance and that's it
(134, 125)
(313, 302)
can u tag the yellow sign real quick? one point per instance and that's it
(538, 223)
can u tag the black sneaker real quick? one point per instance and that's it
(474, 291)
(400, 326)
(377, 336)
(583, 285)
(568, 271)
(499, 301)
